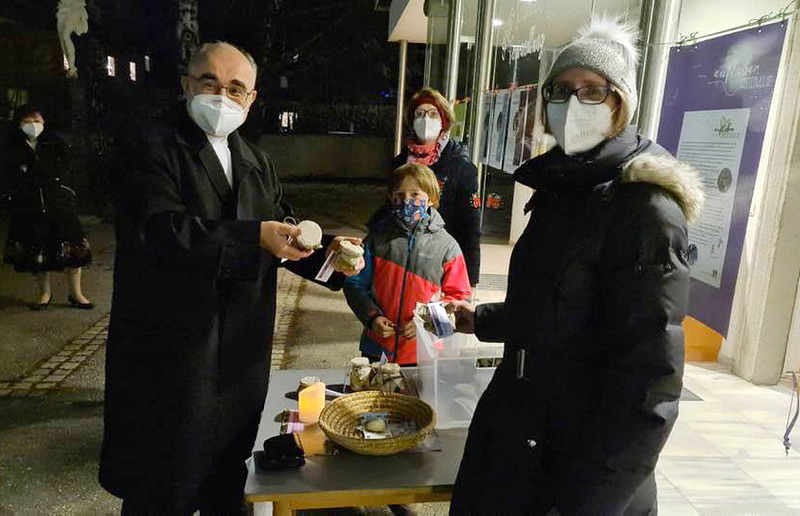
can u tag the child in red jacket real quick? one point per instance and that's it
(409, 259)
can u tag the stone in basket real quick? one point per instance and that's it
(340, 418)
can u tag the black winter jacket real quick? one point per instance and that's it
(34, 180)
(45, 233)
(588, 390)
(460, 203)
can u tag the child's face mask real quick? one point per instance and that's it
(410, 211)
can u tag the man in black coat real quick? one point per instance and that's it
(200, 239)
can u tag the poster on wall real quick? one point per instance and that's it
(528, 145)
(714, 115)
(515, 137)
(497, 144)
(486, 125)
(712, 142)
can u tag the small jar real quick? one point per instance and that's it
(307, 381)
(391, 379)
(360, 372)
(311, 235)
(349, 255)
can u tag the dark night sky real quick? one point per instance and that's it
(330, 51)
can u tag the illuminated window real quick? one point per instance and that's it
(111, 66)
(147, 64)
(132, 71)
(17, 97)
(66, 62)
(287, 120)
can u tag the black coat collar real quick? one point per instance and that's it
(555, 170)
(243, 158)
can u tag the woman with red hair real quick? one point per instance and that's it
(429, 118)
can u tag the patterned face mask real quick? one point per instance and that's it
(410, 211)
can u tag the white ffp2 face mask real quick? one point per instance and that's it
(32, 129)
(217, 115)
(427, 129)
(579, 127)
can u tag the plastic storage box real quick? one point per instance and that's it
(452, 373)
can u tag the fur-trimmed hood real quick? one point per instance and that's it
(678, 178)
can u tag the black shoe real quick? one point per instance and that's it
(37, 307)
(75, 304)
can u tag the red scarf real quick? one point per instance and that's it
(426, 153)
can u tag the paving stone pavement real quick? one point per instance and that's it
(51, 389)
(53, 370)
(289, 287)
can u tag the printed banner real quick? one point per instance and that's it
(486, 133)
(497, 146)
(712, 142)
(514, 132)
(714, 115)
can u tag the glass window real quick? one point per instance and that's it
(111, 66)
(132, 71)
(287, 119)
(147, 64)
(17, 97)
(526, 36)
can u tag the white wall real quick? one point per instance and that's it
(792, 362)
(407, 21)
(766, 289)
(709, 16)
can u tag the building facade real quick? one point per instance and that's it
(487, 57)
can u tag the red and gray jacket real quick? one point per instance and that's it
(404, 267)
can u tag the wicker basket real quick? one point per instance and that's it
(339, 419)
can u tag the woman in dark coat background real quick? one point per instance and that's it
(429, 118)
(45, 234)
(587, 394)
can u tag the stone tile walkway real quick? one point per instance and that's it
(725, 454)
(289, 287)
(52, 371)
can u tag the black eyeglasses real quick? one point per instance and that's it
(210, 86)
(591, 94)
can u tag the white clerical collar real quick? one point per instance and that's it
(217, 140)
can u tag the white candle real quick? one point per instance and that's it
(311, 401)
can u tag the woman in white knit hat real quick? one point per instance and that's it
(576, 416)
